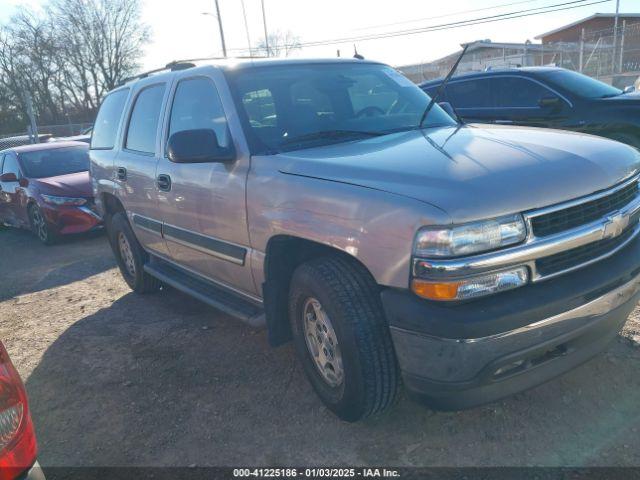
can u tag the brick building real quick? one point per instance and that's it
(599, 25)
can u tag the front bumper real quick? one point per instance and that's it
(460, 356)
(67, 220)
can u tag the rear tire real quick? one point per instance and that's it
(130, 255)
(342, 338)
(40, 227)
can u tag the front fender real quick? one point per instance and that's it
(376, 227)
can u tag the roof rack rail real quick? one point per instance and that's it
(181, 65)
(171, 66)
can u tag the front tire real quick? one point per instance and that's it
(130, 255)
(342, 338)
(40, 227)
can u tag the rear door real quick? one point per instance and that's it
(136, 163)
(203, 204)
(521, 101)
(472, 99)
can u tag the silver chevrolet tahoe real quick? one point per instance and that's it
(470, 262)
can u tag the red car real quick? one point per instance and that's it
(18, 447)
(46, 187)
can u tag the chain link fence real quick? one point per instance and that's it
(611, 56)
(46, 133)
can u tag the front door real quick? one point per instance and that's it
(12, 197)
(522, 101)
(203, 204)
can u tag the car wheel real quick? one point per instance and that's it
(342, 338)
(40, 227)
(130, 255)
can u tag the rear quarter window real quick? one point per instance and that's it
(108, 120)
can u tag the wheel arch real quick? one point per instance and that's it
(111, 204)
(283, 254)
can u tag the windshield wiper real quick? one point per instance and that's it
(442, 86)
(328, 134)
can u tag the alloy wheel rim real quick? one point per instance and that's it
(322, 342)
(39, 224)
(126, 254)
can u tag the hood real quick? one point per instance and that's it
(71, 185)
(473, 172)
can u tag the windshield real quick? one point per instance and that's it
(581, 84)
(293, 107)
(54, 162)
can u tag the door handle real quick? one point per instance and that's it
(164, 182)
(121, 173)
(503, 122)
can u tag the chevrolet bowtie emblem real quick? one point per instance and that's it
(615, 225)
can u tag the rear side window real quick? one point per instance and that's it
(106, 126)
(196, 105)
(513, 92)
(143, 124)
(470, 94)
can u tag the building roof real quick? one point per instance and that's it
(578, 22)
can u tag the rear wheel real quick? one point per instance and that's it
(342, 338)
(130, 255)
(40, 227)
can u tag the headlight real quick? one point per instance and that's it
(471, 287)
(469, 238)
(53, 200)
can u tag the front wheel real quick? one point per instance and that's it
(130, 255)
(40, 227)
(342, 338)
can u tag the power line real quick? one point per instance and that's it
(453, 14)
(447, 26)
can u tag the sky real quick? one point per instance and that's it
(181, 31)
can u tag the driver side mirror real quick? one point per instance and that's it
(549, 102)
(8, 177)
(198, 146)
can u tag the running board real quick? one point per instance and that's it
(206, 291)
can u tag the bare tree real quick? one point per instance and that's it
(68, 57)
(281, 44)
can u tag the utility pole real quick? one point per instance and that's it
(615, 36)
(33, 128)
(266, 34)
(224, 45)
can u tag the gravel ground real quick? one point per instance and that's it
(116, 378)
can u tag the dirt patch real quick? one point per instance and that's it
(116, 378)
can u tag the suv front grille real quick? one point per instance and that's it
(577, 256)
(578, 215)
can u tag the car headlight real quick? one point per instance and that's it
(470, 238)
(71, 201)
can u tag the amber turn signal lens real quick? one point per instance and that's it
(435, 291)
